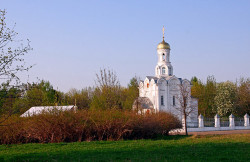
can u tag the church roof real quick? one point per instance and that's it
(167, 78)
(142, 103)
(152, 77)
(163, 45)
(40, 109)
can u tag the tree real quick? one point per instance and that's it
(184, 106)
(243, 97)
(205, 94)
(198, 91)
(11, 61)
(225, 99)
(36, 94)
(107, 94)
(194, 80)
(130, 93)
(11, 57)
(209, 96)
(82, 98)
(8, 96)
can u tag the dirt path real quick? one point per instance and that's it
(221, 132)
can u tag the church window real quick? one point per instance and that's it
(147, 85)
(162, 100)
(163, 57)
(163, 70)
(174, 100)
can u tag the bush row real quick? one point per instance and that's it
(58, 126)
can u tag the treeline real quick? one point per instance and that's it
(107, 94)
(223, 98)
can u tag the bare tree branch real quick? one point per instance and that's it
(11, 60)
(184, 98)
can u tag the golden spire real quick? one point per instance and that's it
(163, 32)
(163, 44)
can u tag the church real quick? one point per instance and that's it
(165, 91)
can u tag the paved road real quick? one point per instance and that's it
(221, 132)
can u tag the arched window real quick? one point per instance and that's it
(174, 100)
(163, 70)
(163, 57)
(162, 101)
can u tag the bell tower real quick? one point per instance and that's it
(163, 67)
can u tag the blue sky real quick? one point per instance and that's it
(73, 39)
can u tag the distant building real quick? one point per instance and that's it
(40, 109)
(162, 91)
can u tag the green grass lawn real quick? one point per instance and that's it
(171, 148)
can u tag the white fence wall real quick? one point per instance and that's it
(217, 124)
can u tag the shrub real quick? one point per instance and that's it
(58, 126)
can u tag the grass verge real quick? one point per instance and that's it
(171, 148)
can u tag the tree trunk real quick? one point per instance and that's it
(185, 124)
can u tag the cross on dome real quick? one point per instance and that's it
(163, 44)
(163, 31)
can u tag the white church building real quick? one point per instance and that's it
(162, 92)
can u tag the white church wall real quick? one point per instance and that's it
(153, 91)
(174, 91)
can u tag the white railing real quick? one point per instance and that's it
(216, 125)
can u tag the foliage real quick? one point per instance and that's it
(36, 94)
(243, 97)
(8, 94)
(109, 94)
(67, 126)
(225, 99)
(81, 98)
(108, 91)
(205, 93)
(11, 62)
(236, 100)
(130, 93)
(234, 147)
(11, 57)
(20, 99)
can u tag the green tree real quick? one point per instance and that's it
(225, 99)
(209, 97)
(194, 80)
(108, 92)
(82, 98)
(8, 96)
(243, 97)
(130, 93)
(36, 94)
(205, 94)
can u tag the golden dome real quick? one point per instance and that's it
(163, 45)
